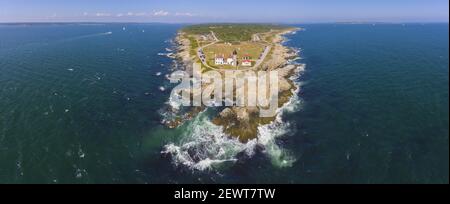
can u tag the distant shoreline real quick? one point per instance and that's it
(193, 23)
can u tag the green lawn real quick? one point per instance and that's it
(253, 50)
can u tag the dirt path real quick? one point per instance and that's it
(202, 57)
(200, 52)
(263, 56)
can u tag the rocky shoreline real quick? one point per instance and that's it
(243, 122)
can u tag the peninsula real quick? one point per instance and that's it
(243, 47)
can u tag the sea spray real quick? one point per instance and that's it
(268, 134)
(204, 146)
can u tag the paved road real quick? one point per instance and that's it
(214, 36)
(256, 38)
(200, 51)
(257, 64)
(263, 56)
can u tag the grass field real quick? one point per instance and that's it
(194, 45)
(253, 50)
(230, 37)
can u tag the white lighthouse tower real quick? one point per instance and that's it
(235, 59)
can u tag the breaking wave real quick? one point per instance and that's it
(204, 145)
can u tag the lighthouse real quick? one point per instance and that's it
(235, 58)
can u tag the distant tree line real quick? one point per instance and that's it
(231, 32)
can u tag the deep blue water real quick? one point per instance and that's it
(80, 105)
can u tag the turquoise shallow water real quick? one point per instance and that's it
(81, 105)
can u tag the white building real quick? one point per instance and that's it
(219, 60)
(230, 61)
(247, 63)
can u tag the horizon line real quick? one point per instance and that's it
(230, 22)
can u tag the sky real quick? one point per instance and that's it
(196, 11)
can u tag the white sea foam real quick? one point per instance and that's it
(176, 94)
(204, 145)
(267, 134)
(81, 154)
(169, 55)
(174, 104)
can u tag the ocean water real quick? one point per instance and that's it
(83, 103)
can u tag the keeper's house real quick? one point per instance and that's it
(246, 61)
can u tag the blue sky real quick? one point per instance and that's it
(179, 11)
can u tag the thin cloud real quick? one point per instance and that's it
(185, 14)
(158, 13)
(102, 14)
(141, 14)
(161, 13)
